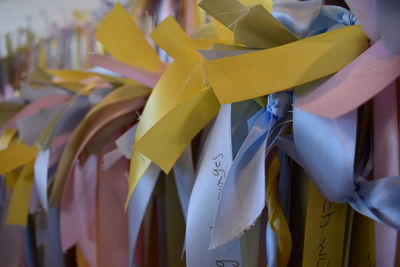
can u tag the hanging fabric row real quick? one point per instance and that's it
(204, 133)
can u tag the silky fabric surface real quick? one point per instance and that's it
(386, 162)
(243, 194)
(137, 206)
(248, 164)
(215, 161)
(329, 158)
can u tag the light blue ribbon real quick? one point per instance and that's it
(214, 163)
(325, 148)
(138, 204)
(184, 178)
(308, 18)
(243, 195)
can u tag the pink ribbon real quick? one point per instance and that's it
(373, 74)
(144, 77)
(35, 106)
(78, 210)
(113, 240)
(355, 84)
(386, 163)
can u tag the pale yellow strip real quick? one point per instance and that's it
(324, 236)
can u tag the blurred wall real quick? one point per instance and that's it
(40, 14)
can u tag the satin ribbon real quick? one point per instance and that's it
(137, 206)
(281, 229)
(11, 237)
(35, 106)
(376, 67)
(144, 77)
(48, 237)
(279, 240)
(184, 178)
(18, 208)
(122, 101)
(215, 161)
(379, 20)
(244, 189)
(248, 22)
(16, 155)
(123, 39)
(329, 157)
(30, 128)
(78, 210)
(65, 122)
(141, 197)
(388, 22)
(32, 94)
(112, 222)
(386, 163)
(6, 138)
(339, 158)
(41, 176)
(259, 73)
(296, 16)
(355, 84)
(179, 103)
(179, 91)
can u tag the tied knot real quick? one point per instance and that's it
(279, 103)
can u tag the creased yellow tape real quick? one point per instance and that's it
(260, 73)
(19, 205)
(178, 108)
(16, 155)
(6, 138)
(122, 38)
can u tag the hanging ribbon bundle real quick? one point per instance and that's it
(218, 133)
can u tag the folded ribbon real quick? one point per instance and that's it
(244, 189)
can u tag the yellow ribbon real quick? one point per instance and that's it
(123, 39)
(19, 205)
(6, 138)
(178, 108)
(260, 73)
(276, 217)
(16, 155)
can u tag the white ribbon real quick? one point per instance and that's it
(215, 161)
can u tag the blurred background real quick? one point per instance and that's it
(39, 15)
